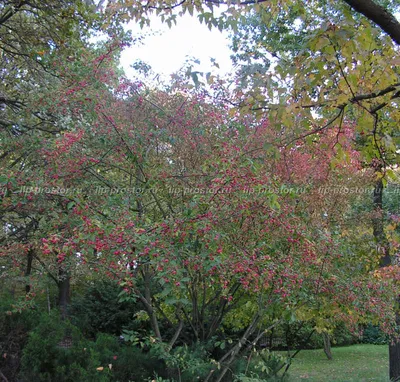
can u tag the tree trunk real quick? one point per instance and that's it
(64, 288)
(225, 362)
(394, 356)
(382, 244)
(28, 269)
(48, 299)
(327, 346)
(147, 302)
(383, 248)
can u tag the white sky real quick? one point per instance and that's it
(166, 52)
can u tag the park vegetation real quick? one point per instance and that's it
(182, 231)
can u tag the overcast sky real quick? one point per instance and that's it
(167, 51)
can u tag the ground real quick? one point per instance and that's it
(357, 363)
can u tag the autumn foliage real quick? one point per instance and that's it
(213, 217)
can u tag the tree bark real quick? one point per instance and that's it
(28, 269)
(64, 288)
(151, 311)
(381, 241)
(48, 299)
(176, 336)
(232, 354)
(147, 302)
(379, 15)
(327, 346)
(3, 377)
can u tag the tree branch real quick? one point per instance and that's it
(379, 15)
(3, 376)
(176, 335)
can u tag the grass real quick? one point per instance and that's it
(357, 363)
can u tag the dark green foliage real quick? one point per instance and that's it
(373, 335)
(259, 366)
(57, 351)
(193, 363)
(99, 310)
(47, 357)
(188, 363)
(391, 200)
(342, 336)
(297, 336)
(129, 363)
(14, 329)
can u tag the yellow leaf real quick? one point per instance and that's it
(101, 368)
(232, 112)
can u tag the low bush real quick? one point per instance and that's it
(128, 363)
(14, 327)
(98, 310)
(373, 335)
(259, 367)
(57, 351)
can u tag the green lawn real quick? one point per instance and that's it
(361, 363)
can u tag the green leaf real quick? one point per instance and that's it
(70, 205)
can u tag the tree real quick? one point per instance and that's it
(41, 49)
(216, 217)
